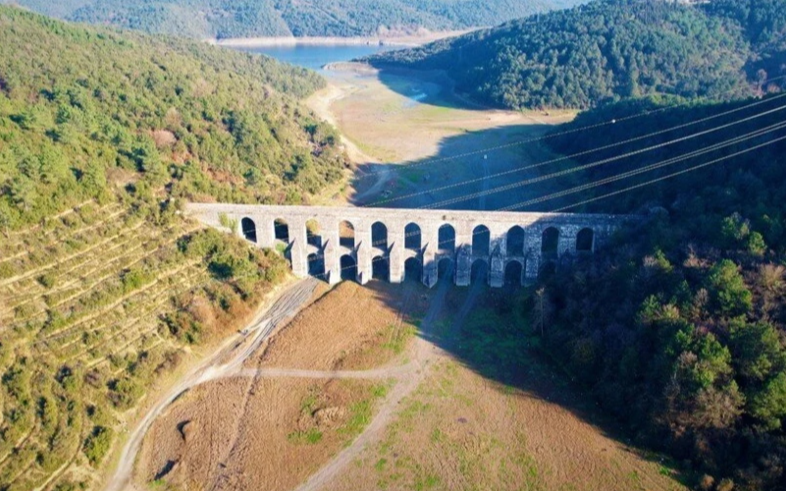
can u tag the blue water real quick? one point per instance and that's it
(315, 57)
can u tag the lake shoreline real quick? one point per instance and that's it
(285, 41)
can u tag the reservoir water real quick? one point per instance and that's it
(315, 57)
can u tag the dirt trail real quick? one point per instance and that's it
(380, 373)
(424, 355)
(238, 348)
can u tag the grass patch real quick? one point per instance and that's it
(359, 418)
(379, 391)
(398, 338)
(309, 437)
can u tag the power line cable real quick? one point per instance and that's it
(572, 170)
(648, 168)
(435, 160)
(670, 176)
(568, 157)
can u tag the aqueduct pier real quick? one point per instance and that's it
(361, 243)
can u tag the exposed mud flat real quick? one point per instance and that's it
(251, 434)
(277, 421)
(408, 132)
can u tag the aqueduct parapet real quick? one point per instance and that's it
(384, 240)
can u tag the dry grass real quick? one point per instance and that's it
(460, 431)
(351, 328)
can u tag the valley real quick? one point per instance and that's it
(175, 217)
(409, 133)
(398, 386)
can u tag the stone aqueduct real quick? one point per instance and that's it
(360, 243)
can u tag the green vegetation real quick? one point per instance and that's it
(254, 18)
(311, 437)
(613, 49)
(103, 284)
(108, 110)
(678, 327)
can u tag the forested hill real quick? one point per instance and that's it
(222, 124)
(105, 289)
(612, 49)
(254, 18)
(679, 327)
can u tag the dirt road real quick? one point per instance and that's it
(236, 350)
(424, 353)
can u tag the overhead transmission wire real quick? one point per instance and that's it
(669, 176)
(572, 170)
(647, 168)
(486, 231)
(539, 138)
(575, 130)
(579, 154)
(628, 173)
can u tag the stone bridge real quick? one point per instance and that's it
(338, 243)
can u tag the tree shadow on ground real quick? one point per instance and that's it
(404, 80)
(466, 170)
(490, 331)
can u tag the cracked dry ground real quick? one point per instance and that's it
(346, 398)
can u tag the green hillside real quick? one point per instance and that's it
(104, 288)
(253, 18)
(612, 49)
(679, 327)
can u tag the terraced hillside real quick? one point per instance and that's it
(105, 288)
(96, 306)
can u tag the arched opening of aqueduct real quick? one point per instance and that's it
(427, 245)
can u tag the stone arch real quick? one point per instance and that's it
(413, 239)
(313, 233)
(249, 229)
(413, 270)
(316, 265)
(446, 238)
(346, 234)
(479, 272)
(550, 242)
(515, 239)
(481, 241)
(349, 268)
(445, 269)
(514, 273)
(380, 268)
(379, 235)
(281, 230)
(585, 240)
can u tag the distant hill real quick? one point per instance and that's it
(255, 18)
(104, 286)
(612, 49)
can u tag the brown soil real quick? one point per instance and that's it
(272, 430)
(351, 328)
(244, 434)
(431, 423)
(461, 431)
